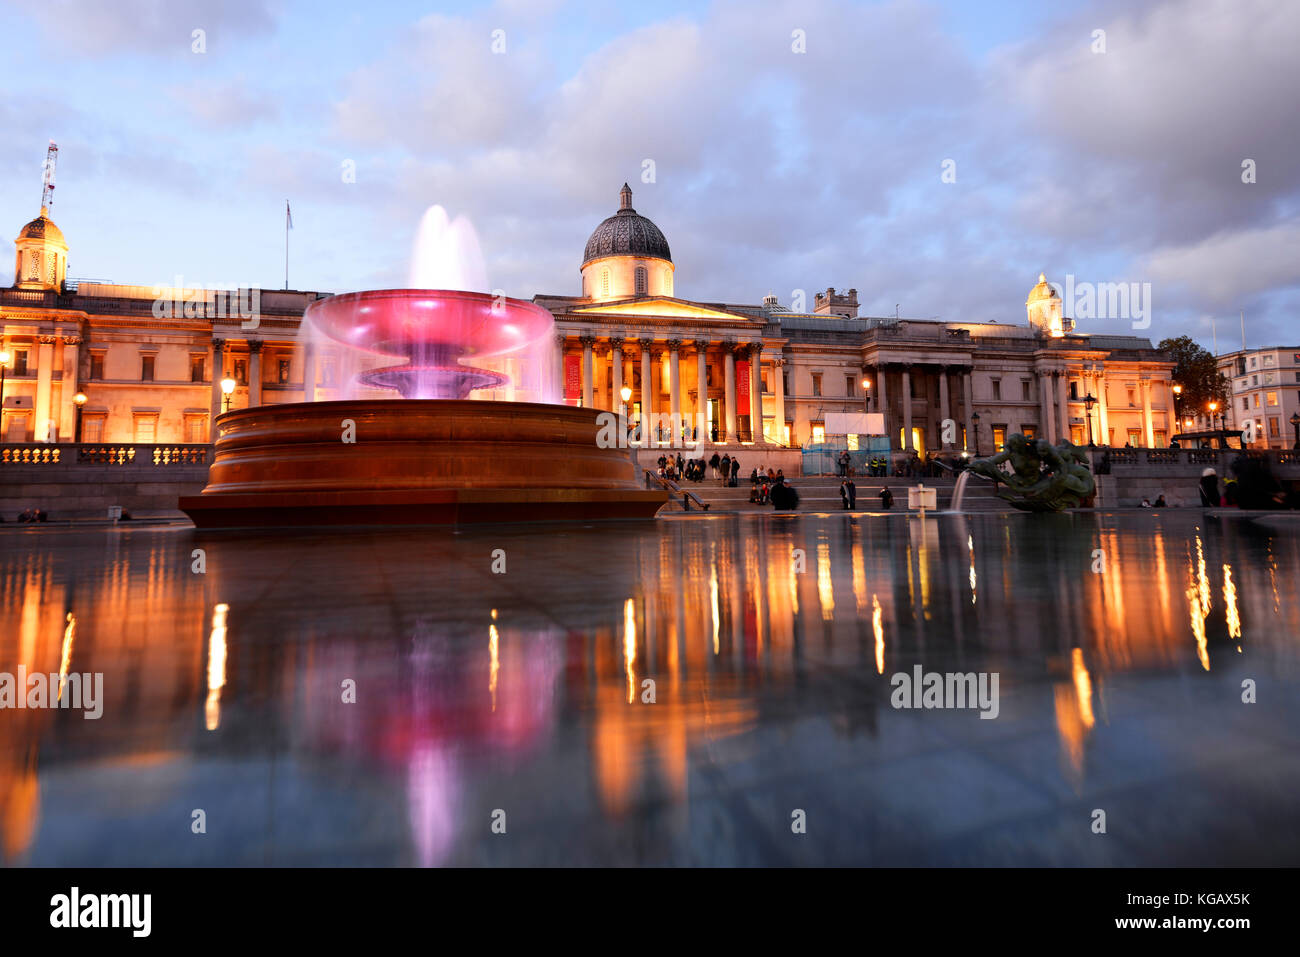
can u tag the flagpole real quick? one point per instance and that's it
(286, 244)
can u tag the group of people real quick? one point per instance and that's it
(761, 484)
(724, 469)
(849, 495)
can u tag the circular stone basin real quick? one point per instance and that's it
(415, 461)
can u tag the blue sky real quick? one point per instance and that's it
(774, 171)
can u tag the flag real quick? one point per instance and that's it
(288, 216)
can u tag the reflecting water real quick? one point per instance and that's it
(670, 693)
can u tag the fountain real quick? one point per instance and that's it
(437, 455)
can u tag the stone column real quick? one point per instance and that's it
(729, 355)
(44, 430)
(1102, 413)
(702, 390)
(560, 341)
(216, 369)
(968, 397)
(778, 387)
(1046, 415)
(945, 410)
(647, 405)
(587, 342)
(675, 388)
(1063, 403)
(1147, 427)
(68, 408)
(755, 391)
(310, 374)
(616, 373)
(907, 407)
(254, 372)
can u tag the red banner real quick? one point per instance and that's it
(742, 387)
(572, 377)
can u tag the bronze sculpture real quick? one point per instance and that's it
(1042, 477)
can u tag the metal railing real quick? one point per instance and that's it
(653, 478)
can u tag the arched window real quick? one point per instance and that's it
(586, 287)
(604, 282)
(642, 280)
(668, 282)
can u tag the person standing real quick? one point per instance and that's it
(853, 493)
(844, 495)
(886, 498)
(735, 472)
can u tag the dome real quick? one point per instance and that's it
(626, 233)
(1041, 291)
(42, 227)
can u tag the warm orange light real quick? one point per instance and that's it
(1178, 390)
(227, 385)
(79, 398)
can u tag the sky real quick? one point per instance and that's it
(936, 156)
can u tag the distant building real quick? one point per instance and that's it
(1265, 389)
(150, 361)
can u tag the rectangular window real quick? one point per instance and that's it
(196, 429)
(283, 371)
(1274, 426)
(198, 366)
(1024, 390)
(1159, 436)
(97, 365)
(999, 437)
(1245, 403)
(20, 362)
(816, 384)
(92, 427)
(146, 429)
(1135, 437)
(1257, 400)
(240, 371)
(997, 388)
(1076, 434)
(1029, 431)
(1132, 399)
(1272, 398)
(1074, 388)
(849, 385)
(818, 434)
(1268, 360)
(146, 368)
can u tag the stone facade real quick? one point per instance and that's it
(150, 361)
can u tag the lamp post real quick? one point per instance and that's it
(227, 387)
(1295, 424)
(80, 400)
(625, 394)
(975, 422)
(866, 392)
(1178, 392)
(1089, 401)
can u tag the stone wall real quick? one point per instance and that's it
(79, 482)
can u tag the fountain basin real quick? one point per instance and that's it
(415, 462)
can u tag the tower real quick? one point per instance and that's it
(42, 254)
(1044, 308)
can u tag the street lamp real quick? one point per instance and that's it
(80, 400)
(1178, 392)
(1295, 424)
(227, 387)
(1089, 401)
(866, 392)
(975, 421)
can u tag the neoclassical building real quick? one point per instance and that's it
(149, 362)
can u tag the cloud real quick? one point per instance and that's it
(162, 27)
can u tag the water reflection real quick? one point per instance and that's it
(619, 662)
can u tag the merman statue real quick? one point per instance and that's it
(1042, 477)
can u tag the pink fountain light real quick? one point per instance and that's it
(433, 329)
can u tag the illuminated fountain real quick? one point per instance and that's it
(434, 456)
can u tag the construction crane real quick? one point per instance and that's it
(47, 186)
